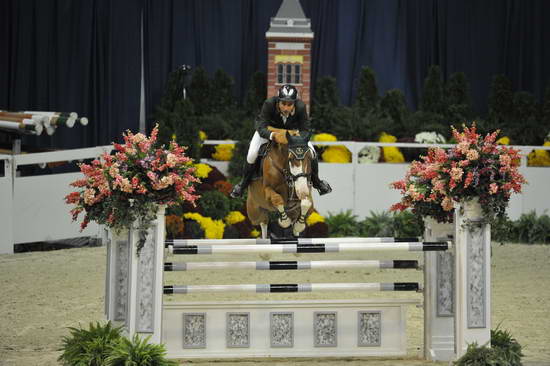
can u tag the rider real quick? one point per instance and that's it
(284, 111)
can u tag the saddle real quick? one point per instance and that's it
(262, 153)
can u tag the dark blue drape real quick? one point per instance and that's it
(84, 56)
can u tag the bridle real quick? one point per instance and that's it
(296, 153)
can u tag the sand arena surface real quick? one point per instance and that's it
(43, 293)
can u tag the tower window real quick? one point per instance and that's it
(289, 73)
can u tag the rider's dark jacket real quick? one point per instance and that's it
(271, 116)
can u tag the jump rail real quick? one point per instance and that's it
(186, 242)
(311, 248)
(291, 265)
(300, 287)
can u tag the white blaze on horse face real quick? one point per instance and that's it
(300, 185)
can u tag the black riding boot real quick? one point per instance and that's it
(248, 172)
(321, 186)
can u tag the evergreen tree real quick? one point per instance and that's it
(222, 92)
(324, 109)
(500, 100)
(180, 125)
(367, 93)
(524, 124)
(200, 91)
(457, 94)
(256, 93)
(394, 106)
(432, 97)
(326, 92)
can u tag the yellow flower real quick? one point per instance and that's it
(391, 153)
(234, 217)
(224, 152)
(202, 135)
(323, 137)
(174, 137)
(213, 229)
(254, 233)
(505, 140)
(336, 154)
(314, 218)
(539, 157)
(202, 170)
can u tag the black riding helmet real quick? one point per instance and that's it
(288, 93)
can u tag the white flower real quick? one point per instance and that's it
(429, 138)
(369, 155)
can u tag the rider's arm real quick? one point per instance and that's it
(262, 121)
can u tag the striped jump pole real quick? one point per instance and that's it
(186, 242)
(293, 287)
(291, 265)
(310, 248)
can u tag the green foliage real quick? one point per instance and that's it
(500, 100)
(432, 96)
(457, 94)
(89, 347)
(504, 351)
(377, 225)
(326, 92)
(193, 230)
(181, 123)
(342, 224)
(367, 93)
(507, 347)
(532, 229)
(256, 93)
(394, 106)
(524, 123)
(138, 352)
(372, 124)
(200, 91)
(221, 95)
(407, 225)
(545, 110)
(420, 121)
(214, 204)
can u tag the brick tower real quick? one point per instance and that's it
(289, 40)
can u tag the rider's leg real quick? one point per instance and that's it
(249, 165)
(321, 186)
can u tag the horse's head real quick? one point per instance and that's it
(299, 162)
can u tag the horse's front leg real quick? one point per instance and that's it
(277, 201)
(300, 224)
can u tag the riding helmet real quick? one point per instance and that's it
(288, 93)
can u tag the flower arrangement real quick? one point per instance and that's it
(391, 153)
(118, 189)
(476, 167)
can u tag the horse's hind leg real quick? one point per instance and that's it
(263, 226)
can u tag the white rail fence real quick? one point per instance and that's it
(32, 208)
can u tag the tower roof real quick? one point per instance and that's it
(290, 21)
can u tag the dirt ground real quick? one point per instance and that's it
(43, 293)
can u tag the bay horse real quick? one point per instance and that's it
(285, 185)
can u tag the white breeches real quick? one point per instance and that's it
(255, 144)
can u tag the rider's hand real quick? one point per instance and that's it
(294, 132)
(280, 138)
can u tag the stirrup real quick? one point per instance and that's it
(237, 191)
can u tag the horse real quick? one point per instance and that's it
(284, 186)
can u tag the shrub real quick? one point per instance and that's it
(138, 352)
(407, 225)
(367, 92)
(507, 347)
(342, 224)
(89, 347)
(215, 204)
(377, 225)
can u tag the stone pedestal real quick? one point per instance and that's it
(133, 288)
(473, 277)
(438, 294)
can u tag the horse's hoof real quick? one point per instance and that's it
(284, 223)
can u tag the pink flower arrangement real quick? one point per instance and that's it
(476, 167)
(131, 182)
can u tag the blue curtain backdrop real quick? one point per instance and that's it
(84, 56)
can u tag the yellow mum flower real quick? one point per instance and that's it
(539, 157)
(213, 229)
(323, 137)
(224, 152)
(314, 218)
(336, 154)
(505, 140)
(391, 153)
(202, 170)
(234, 217)
(174, 137)
(255, 233)
(202, 135)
